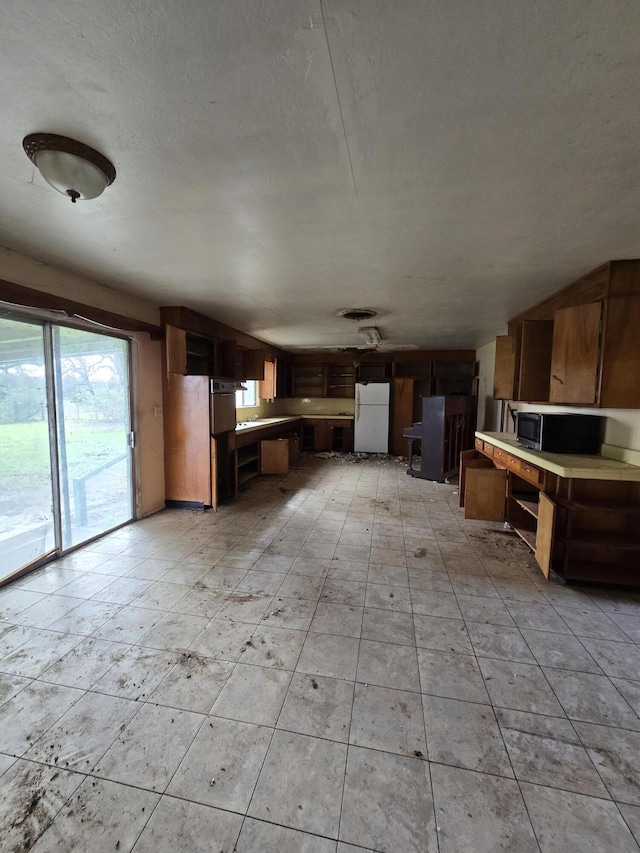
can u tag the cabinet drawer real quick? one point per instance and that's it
(531, 474)
(479, 444)
(500, 455)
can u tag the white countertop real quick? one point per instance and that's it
(568, 465)
(261, 423)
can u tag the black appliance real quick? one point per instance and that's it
(560, 433)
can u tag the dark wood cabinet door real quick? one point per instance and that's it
(576, 354)
(535, 360)
(402, 408)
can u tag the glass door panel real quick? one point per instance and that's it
(91, 374)
(27, 530)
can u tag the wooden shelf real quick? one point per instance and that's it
(528, 502)
(527, 536)
(246, 475)
(600, 506)
(619, 541)
(247, 463)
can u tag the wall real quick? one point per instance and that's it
(22, 270)
(319, 406)
(488, 408)
(147, 390)
(622, 427)
(297, 406)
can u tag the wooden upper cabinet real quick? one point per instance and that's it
(225, 360)
(341, 381)
(310, 379)
(620, 380)
(536, 343)
(250, 364)
(283, 378)
(576, 354)
(268, 388)
(523, 362)
(176, 350)
(595, 354)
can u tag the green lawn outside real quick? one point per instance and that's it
(24, 449)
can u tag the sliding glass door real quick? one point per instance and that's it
(65, 439)
(27, 523)
(93, 432)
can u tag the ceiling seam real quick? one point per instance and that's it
(335, 83)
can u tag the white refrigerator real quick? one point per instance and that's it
(371, 425)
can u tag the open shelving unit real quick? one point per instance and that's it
(341, 380)
(309, 380)
(522, 513)
(600, 532)
(248, 463)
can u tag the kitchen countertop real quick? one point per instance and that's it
(261, 423)
(567, 465)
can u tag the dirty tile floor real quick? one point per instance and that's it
(335, 662)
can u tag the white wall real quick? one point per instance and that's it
(22, 270)
(622, 427)
(488, 408)
(147, 390)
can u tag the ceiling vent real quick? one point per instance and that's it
(358, 313)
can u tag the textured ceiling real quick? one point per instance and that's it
(446, 162)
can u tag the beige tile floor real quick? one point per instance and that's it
(336, 662)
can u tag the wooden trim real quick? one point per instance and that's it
(591, 287)
(18, 294)
(200, 324)
(454, 355)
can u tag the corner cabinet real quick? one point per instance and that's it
(585, 530)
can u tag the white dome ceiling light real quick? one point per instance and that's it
(70, 167)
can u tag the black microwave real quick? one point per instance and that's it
(560, 433)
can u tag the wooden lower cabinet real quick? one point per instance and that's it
(584, 530)
(274, 456)
(490, 492)
(324, 434)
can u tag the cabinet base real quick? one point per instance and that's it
(185, 505)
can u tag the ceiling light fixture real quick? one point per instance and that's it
(370, 334)
(70, 167)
